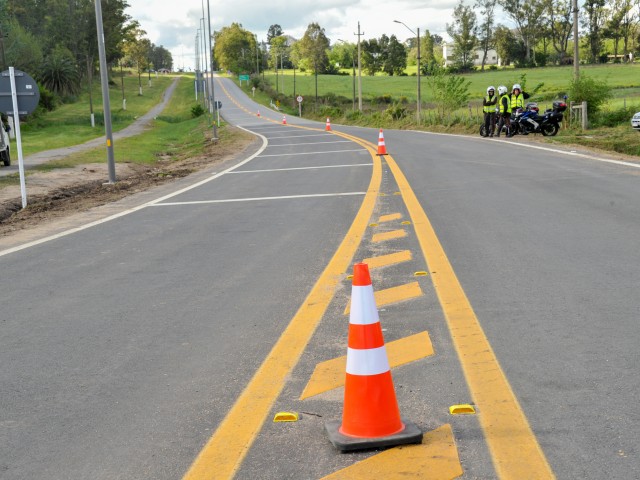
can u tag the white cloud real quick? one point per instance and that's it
(174, 24)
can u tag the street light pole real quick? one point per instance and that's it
(213, 94)
(419, 104)
(106, 105)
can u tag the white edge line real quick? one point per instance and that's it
(232, 200)
(303, 168)
(547, 149)
(135, 209)
(312, 153)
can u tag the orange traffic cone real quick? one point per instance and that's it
(284, 119)
(370, 417)
(382, 149)
(328, 127)
(258, 112)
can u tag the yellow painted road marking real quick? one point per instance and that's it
(390, 217)
(514, 448)
(225, 450)
(391, 295)
(331, 374)
(383, 237)
(389, 259)
(436, 458)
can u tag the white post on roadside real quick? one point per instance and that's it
(16, 119)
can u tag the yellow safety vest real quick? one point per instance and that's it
(488, 108)
(517, 101)
(502, 105)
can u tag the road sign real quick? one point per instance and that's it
(218, 104)
(244, 77)
(299, 99)
(26, 90)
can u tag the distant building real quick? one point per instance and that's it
(449, 59)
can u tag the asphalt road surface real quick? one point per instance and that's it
(161, 343)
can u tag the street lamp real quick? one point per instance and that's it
(418, 61)
(359, 70)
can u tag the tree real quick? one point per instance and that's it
(274, 32)
(526, 14)
(137, 49)
(22, 49)
(234, 48)
(463, 32)
(59, 73)
(394, 56)
(486, 28)
(505, 43)
(313, 49)
(371, 56)
(593, 23)
(450, 91)
(619, 10)
(559, 14)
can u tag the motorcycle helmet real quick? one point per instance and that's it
(490, 89)
(502, 89)
(517, 85)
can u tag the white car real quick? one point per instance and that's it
(5, 156)
(635, 121)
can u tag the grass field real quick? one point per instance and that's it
(70, 124)
(623, 79)
(173, 133)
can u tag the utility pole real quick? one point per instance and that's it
(576, 51)
(104, 80)
(213, 95)
(359, 70)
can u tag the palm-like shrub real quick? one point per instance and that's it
(59, 73)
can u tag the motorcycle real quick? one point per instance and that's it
(528, 120)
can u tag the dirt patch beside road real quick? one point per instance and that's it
(63, 192)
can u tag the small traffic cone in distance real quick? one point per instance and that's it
(284, 119)
(371, 417)
(328, 127)
(258, 112)
(382, 148)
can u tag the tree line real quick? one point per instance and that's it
(540, 33)
(55, 41)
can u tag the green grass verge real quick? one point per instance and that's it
(70, 124)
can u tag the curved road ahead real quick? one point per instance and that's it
(160, 343)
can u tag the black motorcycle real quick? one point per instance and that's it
(528, 120)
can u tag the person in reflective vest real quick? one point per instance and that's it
(517, 98)
(489, 108)
(504, 110)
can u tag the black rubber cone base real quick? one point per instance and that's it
(345, 443)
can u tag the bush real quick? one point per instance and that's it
(594, 92)
(613, 118)
(197, 111)
(48, 100)
(396, 111)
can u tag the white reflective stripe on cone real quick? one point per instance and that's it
(371, 361)
(363, 306)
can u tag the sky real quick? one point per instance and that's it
(173, 24)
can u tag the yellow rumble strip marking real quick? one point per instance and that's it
(394, 295)
(223, 454)
(383, 237)
(389, 259)
(436, 458)
(389, 218)
(331, 374)
(514, 448)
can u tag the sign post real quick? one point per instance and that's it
(19, 95)
(299, 99)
